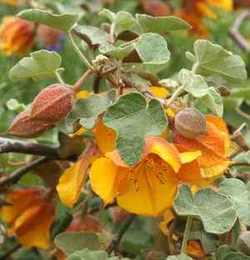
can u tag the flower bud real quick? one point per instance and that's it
(25, 126)
(190, 123)
(16, 36)
(53, 103)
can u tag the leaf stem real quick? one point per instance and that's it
(79, 52)
(79, 82)
(175, 95)
(59, 77)
(186, 234)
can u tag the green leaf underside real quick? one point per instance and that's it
(90, 108)
(87, 254)
(239, 193)
(226, 253)
(40, 65)
(179, 257)
(198, 88)
(215, 210)
(213, 59)
(63, 22)
(161, 24)
(92, 35)
(125, 21)
(69, 242)
(133, 119)
(152, 48)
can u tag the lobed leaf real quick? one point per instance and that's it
(162, 24)
(133, 119)
(40, 65)
(239, 193)
(213, 59)
(215, 210)
(63, 22)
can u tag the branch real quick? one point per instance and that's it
(8, 145)
(18, 174)
(235, 31)
(10, 252)
(116, 242)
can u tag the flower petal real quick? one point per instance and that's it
(159, 92)
(103, 177)
(72, 180)
(32, 228)
(148, 195)
(165, 150)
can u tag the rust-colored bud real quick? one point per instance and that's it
(25, 126)
(53, 103)
(190, 123)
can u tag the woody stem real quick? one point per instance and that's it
(186, 234)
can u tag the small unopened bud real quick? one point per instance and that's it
(190, 123)
(53, 103)
(25, 126)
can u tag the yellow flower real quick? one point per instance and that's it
(29, 217)
(214, 146)
(147, 188)
(159, 92)
(10, 2)
(16, 36)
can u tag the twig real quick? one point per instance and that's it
(59, 77)
(116, 242)
(240, 164)
(186, 234)
(18, 174)
(80, 81)
(175, 95)
(96, 84)
(8, 145)
(10, 252)
(235, 31)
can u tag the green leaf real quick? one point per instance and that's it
(197, 86)
(107, 14)
(213, 101)
(241, 93)
(133, 119)
(40, 65)
(179, 257)
(125, 21)
(213, 59)
(215, 210)
(87, 254)
(226, 253)
(243, 157)
(92, 35)
(162, 24)
(239, 193)
(90, 108)
(69, 242)
(152, 49)
(63, 22)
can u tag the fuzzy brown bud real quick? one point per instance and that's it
(53, 103)
(190, 123)
(25, 126)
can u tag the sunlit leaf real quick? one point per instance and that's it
(40, 65)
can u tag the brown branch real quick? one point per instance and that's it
(8, 145)
(235, 34)
(84, 77)
(18, 174)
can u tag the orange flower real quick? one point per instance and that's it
(10, 2)
(193, 12)
(147, 188)
(214, 146)
(72, 180)
(195, 249)
(16, 36)
(29, 217)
